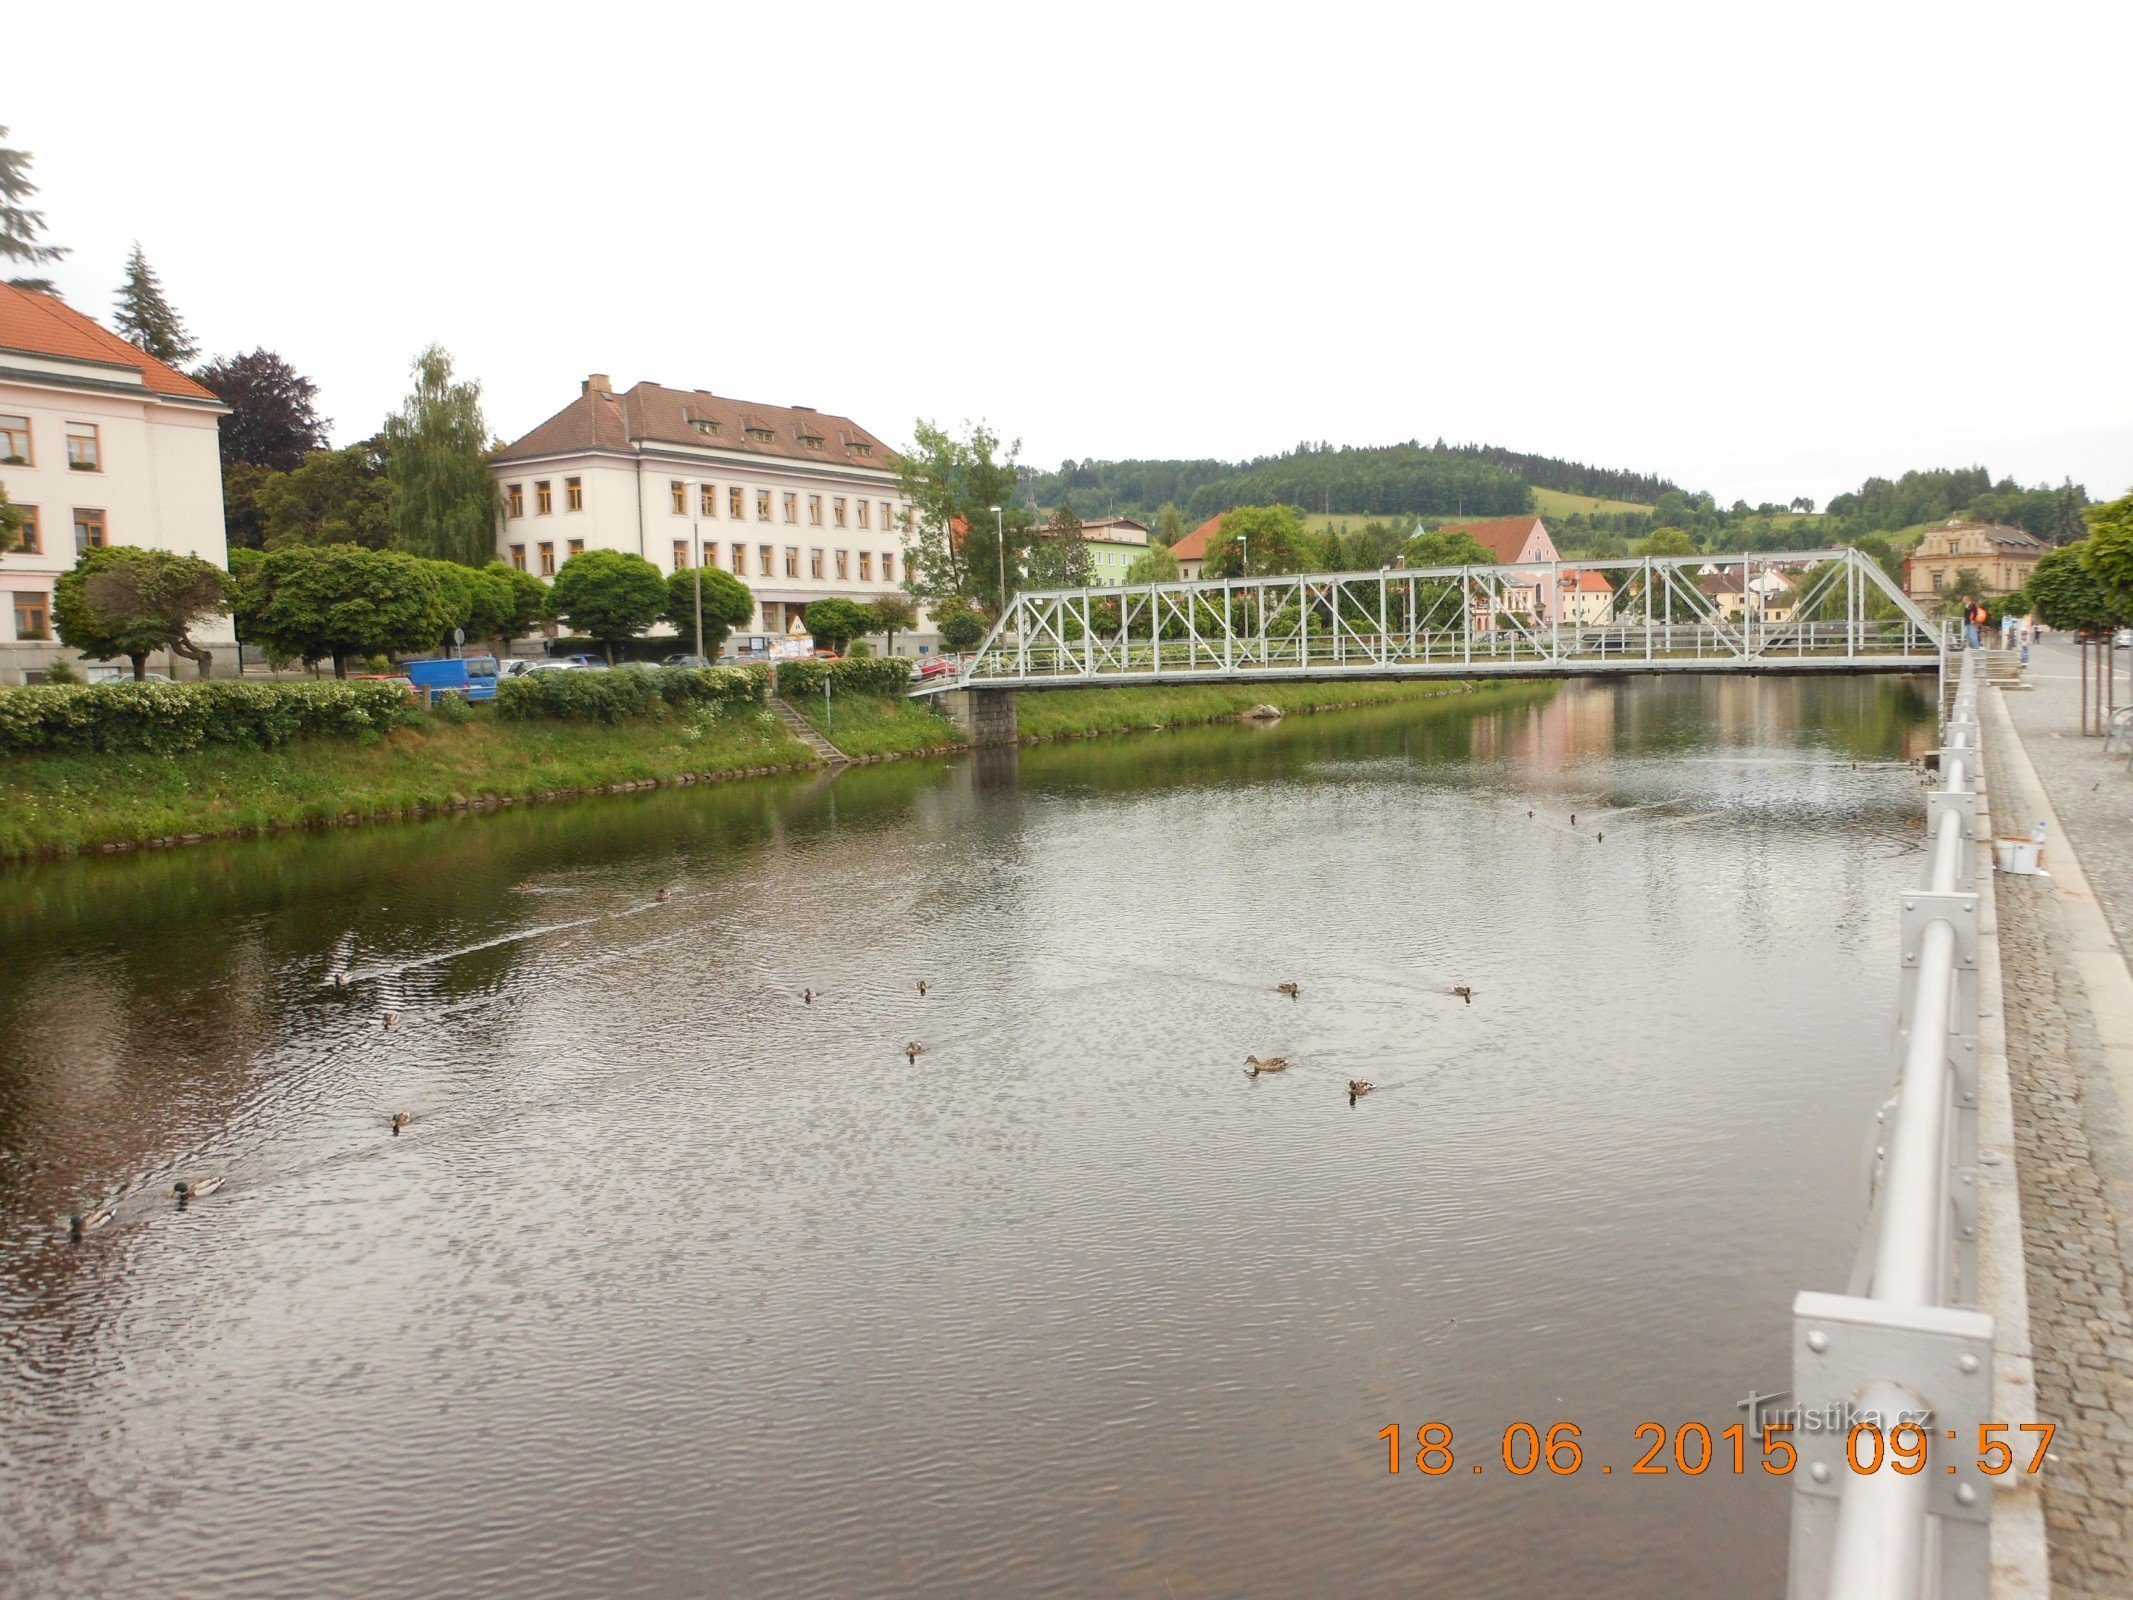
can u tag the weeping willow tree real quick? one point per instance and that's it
(444, 501)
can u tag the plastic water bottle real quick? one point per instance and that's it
(2037, 836)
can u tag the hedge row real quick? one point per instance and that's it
(882, 675)
(168, 718)
(629, 692)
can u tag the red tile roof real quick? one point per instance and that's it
(1590, 582)
(45, 325)
(1193, 547)
(1503, 537)
(602, 420)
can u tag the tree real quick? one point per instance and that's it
(1963, 586)
(1169, 525)
(962, 629)
(1446, 548)
(529, 601)
(337, 601)
(727, 605)
(2107, 553)
(456, 586)
(893, 614)
(1257, 540)
(147, 319)
(836, 622)
(124, 600)
(1157, 564)
(2069, 519)
(1665, 542)
(335, 497)
(13, 519)
(609, 595)
(273, 421)
(2065, 594)
(444, 502)
(1804, 505)
(953, 547)
(20, 226)
(1059, 557)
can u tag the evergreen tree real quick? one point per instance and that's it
(20, 226)
(444, 500)
(149, 320)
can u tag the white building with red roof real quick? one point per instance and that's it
(796, 503)
(102, 444)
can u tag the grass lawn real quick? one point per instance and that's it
(1555, 503)
(1066, 713)
(79, 801)
(877, 725)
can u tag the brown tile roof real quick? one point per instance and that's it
(1502, 537)
(1590, 582)
(1193, 547)
(1997, 532)
(45, 325)
(601, 420)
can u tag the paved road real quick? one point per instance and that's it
(2065, 993)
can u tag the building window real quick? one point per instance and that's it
(837, 510)
(735, 504)
(547, 560)
(32, 532)
(84, 451)
(573, 494)
(814, 511)
(14, 442)
(792, 507)
(740, 559)
(577, 547)
(711, 556)
(515, 500)
(863, 522)
(862, 447)
(814, 563)
(866, 563)
(678, 492)
(518, 557)
(1936, 582)
(681, 555)
(543, 499)
(888, 516)
(707, 499)
(792, 561)
(33, 619)
(762, 505)
(761, 435)
(88, 530)
(844, 563)
(888, 567)
(766, 560)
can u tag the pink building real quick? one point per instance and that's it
(1511, 540)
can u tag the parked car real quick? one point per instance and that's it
(749, 647)
(547, 666)
(473, 677)
(2123, 639)
(97, 674)
(685, 661)
(583, 663)
(939, 667)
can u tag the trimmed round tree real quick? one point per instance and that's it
(529, 601)
(2067, 595)
(609, 595)
(835, 622)
(333, 601)
(122, 600)
(727, 605)
(2107, 553)
(893, 614)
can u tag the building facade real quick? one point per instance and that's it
(1588, 598)
(1191, 550)
(2001, 556)
(101, 444)
(1511, 540)
(1114, 544)
(796, 503)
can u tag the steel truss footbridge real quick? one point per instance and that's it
(1814, 611)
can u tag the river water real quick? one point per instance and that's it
(677, 1285)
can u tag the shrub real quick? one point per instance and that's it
(170, 718)
(62, 672)
(628, 692)
(876, 675)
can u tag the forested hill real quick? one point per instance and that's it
(1411, 479)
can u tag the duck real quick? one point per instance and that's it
(400, 1120)
(1573, 819)
(1253, 1066)
(661, 897)
(922, 988)
(1463, 992)
(807, 997)
(913, 1051)
(1599, 838)
(1288, 989)
(195, 1191)
(1357, 1088)
(391, 1017)
(78, 1224)
(340, 980)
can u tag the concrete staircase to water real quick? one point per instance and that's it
(804, 731)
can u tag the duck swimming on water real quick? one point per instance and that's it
(400, 1120)
(1288, 989)
(922, 988)
(1253, 1066)
(1463, 992)
(78, 1224)
(913, 1051)
(195, 1191)
(1357, 1088)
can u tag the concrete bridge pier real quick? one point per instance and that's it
(983, 716)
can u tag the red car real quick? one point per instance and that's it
(938, 667)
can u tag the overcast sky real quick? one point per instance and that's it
(1761, 249)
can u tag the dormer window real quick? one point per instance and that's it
(705, 425)
(761, 435)
(862, 449)
(811, 440)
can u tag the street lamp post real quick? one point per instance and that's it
(999, 528)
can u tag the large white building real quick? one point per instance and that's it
(796, 503)
(102, 444)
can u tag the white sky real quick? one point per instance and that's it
(1762, 249)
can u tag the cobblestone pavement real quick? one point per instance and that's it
(2072, 1146)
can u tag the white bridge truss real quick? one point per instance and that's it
(1834, 611)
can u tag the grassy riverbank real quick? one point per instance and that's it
(53, 803)
(56, 803)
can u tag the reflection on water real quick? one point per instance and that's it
(677, 1285)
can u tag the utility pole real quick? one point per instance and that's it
(696, 534)
(999, 528)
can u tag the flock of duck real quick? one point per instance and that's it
(1357, 1087)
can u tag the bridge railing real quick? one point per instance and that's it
(1892, 1380)
(1653, 612)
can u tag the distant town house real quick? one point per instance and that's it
(1191, 550)
(1767, 595)
(797, 503)
(1588, 598)
(2002, 557)
(1114, 544)
(102, 444)
(1514, 540)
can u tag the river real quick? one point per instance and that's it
(677, 1284)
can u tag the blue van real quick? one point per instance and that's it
(472, 676)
